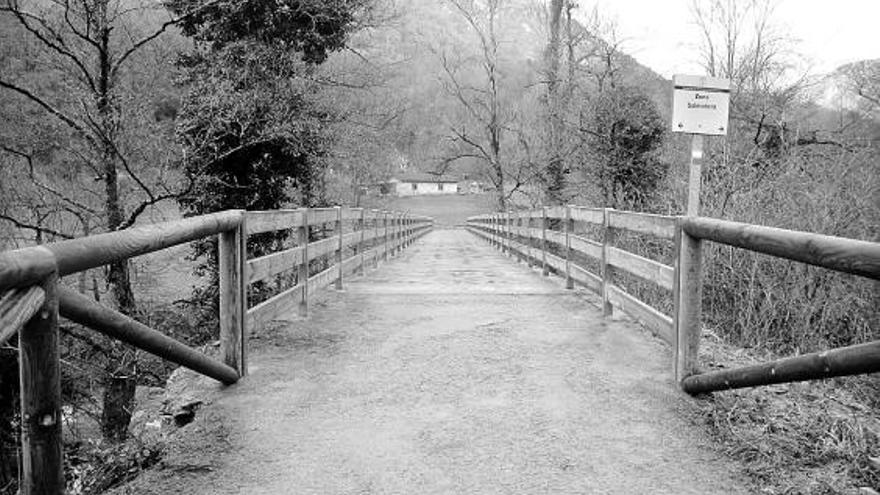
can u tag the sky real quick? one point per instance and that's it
(828, 33)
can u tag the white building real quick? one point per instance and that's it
(418, 183)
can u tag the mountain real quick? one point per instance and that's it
(419, 35)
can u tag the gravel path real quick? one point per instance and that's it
(452, 369)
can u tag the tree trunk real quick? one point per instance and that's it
(120, 384)
(555, 174)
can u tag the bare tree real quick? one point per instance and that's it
(90, 45)
(481, 103)
(555, 179)
(863, 79)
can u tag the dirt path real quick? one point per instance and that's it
(451, 370)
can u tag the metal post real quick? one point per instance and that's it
(695, 178)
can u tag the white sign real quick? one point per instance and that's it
(700, 105)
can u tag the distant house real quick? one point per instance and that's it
(418, 183)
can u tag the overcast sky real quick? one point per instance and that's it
(661, 33)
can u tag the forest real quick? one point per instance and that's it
(117, 113)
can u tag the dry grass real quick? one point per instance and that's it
(801, 438)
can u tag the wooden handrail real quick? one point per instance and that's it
(835, 253)
(76, 255)
(501, 231)
(844, 361)
(682, 330)
(80, 309)
(30, 298)
(17, 306)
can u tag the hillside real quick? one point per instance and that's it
(422, 33)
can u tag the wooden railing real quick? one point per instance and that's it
(31, 300)
(549, 237)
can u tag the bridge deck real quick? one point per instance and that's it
(454, 370)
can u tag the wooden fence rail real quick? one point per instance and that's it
(31, 300)
(561, 249)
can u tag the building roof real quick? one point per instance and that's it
(424, 177)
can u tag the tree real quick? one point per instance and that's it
(85, 52)
(863, 79)
(580, 62)
(786, 162)
(481, 104)
(555, 179)
(741, 42)
(626, 132)
(250, 126)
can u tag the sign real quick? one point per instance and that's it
(700, 105)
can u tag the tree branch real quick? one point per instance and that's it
(137, 45)
(60, 47)
(36, 228)
(49, 108)
(32, 174)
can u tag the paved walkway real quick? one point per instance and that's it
(453, 369)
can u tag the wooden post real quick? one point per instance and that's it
(508, 231)
(385, 236)
(676, 293)
(400, 232)
(607, 272)
(569, 226)
(690, 306)
(502, 232)
(514, 235)
(406, 230)
(40, 375)
(375, 241)
(362, 243)
(340, 248)
(302, 239)
(695, 177)
(689, 282)
(545, 269)
(233, 298)
(527, 230)
(393, 235)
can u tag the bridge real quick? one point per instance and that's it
(503, 357)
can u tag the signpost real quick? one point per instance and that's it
(700, 106)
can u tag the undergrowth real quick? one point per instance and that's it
(93, 468)
(812, 438)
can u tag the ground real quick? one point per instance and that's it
(450, 369)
